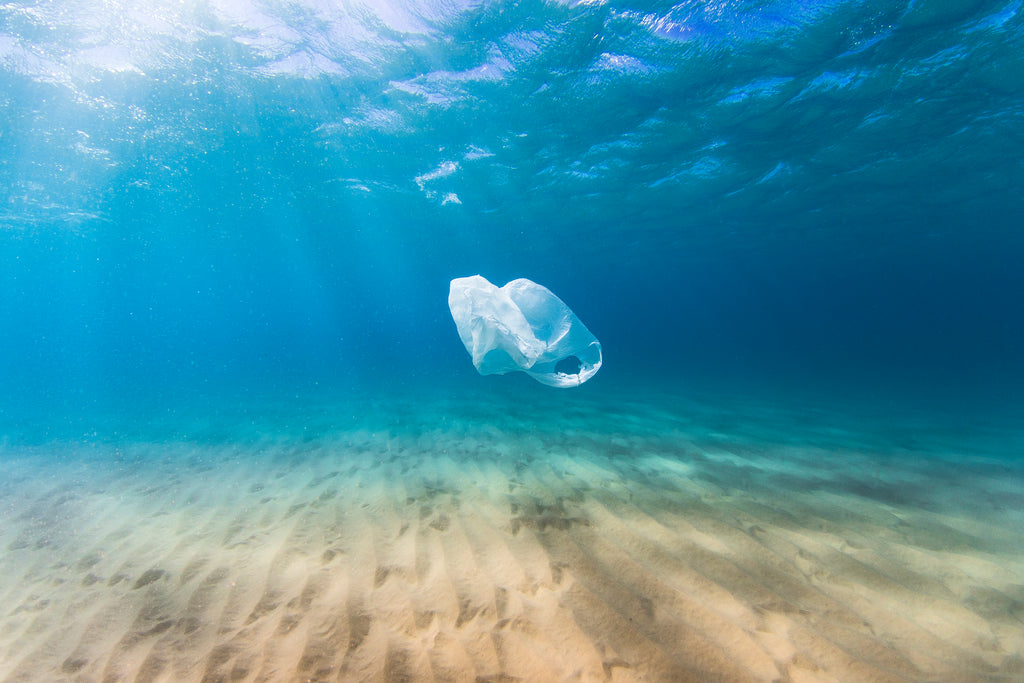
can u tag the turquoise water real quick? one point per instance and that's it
(227, 231)
(200, 195)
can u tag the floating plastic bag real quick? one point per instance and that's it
(523, 326)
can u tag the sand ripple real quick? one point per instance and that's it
(476, 554)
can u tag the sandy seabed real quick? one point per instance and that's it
(461, 541)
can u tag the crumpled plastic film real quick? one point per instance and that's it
(523, 327)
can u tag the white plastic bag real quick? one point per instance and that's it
(523, 327)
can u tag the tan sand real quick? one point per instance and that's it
(482, 555)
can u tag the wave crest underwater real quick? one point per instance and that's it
(818, 111)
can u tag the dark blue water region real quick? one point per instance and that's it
(99, 319)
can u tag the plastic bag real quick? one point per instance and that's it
(523, 327)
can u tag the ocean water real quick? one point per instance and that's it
(240, 438)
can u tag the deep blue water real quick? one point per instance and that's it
(244, 199)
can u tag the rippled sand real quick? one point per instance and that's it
(456, 541)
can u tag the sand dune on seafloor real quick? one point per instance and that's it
(436, 559)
